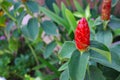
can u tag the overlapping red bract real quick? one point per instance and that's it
(82, 35)
(106, 9)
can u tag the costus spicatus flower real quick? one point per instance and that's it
(106, 9)
(82, 35)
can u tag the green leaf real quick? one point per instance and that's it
(91, 26)
(85, 3)
(25, 31)
(49, 65)
(33, 6)
(118, 78)
(104, 37)
(114, 23)
(63, 8)
(13, 44)
(101, 49)
(98, 21)
(87, 12)
(5, 7)
(95, 74)
(31, 30)
(77, 65)
(67, 49)
(63, 67)
(115, 58)
(17, 6)
(71, 19)
(117, 32)
(55, 17)
(49, 4)
(7, 4)
(79, 8)
(9, 27)
(2, 21)
(77, 14)
(102, 52)
(49, 49)
(50, 28)
(109, 73)
(1, 1)
(64, 75)
(114, 2)
(56, 8)
(20, 18)
(39, 47)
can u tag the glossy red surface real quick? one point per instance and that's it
(82, 35)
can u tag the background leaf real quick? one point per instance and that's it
(63, 8)
(104, 37)
(114, 23)
(118, 78)
(49, 49)
(49, 27)
(13, 45)
(94, 74)
(79, 8)
(31, 30)
(114, 2)
(49, 4)
(55, 17)
(71, 20)
(33, 6)
(56, 8)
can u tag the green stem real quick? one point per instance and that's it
(105, 23)
(49, 66)
(58, 42)
(16, 75)
(7, 35)
(88, 71)
(28, 11)
(8, 14)
(34, 54)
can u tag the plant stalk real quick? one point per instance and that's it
(34, 54)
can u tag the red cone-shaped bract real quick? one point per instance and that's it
(106, 9)
(82, 35)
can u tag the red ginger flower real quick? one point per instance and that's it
(82, 35)
(106, 9)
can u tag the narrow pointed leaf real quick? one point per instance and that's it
(55, 17)
(71, 19)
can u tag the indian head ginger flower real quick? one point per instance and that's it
(82, 35)
(106, 9)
